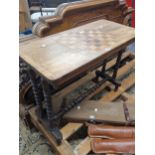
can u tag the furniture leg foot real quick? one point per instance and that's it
(56, 134)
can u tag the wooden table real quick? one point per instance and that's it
(61, 58)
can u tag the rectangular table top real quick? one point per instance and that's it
(66, 54)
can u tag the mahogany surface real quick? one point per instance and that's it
(105, 112)
(63, 56)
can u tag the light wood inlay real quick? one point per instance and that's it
(64, 55)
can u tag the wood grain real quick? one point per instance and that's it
(86, 142)
(107, 112)
(63, 56)
(78, 13)
(84, 147)
(60, 95)
(126, 84)
(70, 129)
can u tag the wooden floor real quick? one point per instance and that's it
(69, 130)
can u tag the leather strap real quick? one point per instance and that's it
(113, 145)
(106, 131)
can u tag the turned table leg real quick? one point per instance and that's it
(96, 79)
(53, 124)
(119, 56)
(117, 65)
(105, 76)
(35, 89)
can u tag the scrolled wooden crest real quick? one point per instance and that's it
(69, 15)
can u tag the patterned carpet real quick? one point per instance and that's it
(32, 143)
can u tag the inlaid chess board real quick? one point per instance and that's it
(65, 55)
(92, 39)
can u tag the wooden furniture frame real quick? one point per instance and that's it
(92, 11)
(62, 62)
(69, 129)
(79, 13)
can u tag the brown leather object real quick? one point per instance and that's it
(111, 131)
(113, 145)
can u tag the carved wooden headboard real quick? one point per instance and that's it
(73, 14)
